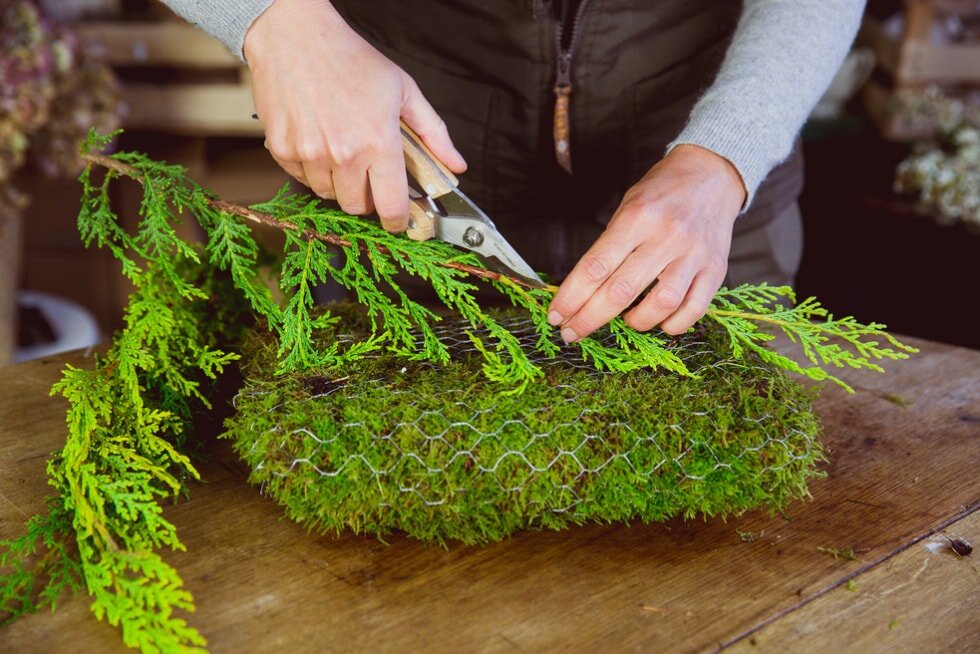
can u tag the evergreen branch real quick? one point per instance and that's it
(31, 581)
(122, 455)
(741, 311)
(306, 223)
(261, 218)
(137, 591)
(825, 340)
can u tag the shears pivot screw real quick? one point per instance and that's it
(473, 237)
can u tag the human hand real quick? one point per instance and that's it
(674, 226)
(330, 105)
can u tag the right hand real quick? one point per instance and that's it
(330, 105)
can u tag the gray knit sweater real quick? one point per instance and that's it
(782, 57)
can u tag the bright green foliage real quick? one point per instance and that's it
(323, 243)
(825, 340)
(435, 452)
(127, 446)
(366, 265)
(23, 589)
(123, 453)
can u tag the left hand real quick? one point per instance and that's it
(674, 227)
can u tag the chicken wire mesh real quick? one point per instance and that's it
(436, 450)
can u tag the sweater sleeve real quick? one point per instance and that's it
(782, 57)
(226, 20)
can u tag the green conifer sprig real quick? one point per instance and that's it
(122, 455)
(40, 565)
(126, 421)
(825, 340)
(322, 243)
(128, 417)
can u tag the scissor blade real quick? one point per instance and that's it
(498, 266)
(457, 204)
(508, 259)
(462, 214)
(480, 236)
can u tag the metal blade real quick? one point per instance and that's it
(464, 224)
(482, 237)
(498, 266)
(457, 204)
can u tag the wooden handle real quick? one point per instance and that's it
(435, 179)
(421, 226)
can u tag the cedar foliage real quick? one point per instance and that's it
(128, 418)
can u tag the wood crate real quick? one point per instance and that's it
(10, 228)
(189, 102)
(914, 59)
(204, 91)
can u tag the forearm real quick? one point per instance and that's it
(226, 20)
(782, 58)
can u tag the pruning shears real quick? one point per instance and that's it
(438, 209)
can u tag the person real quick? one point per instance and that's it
(626, 146)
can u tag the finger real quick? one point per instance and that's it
(423, 119)
(618, 292)
(352, 190)
(311, 154)
(389, 189)
(319, 178)
(283, 154)
(664, 298)
(592, 270)
(706, 284)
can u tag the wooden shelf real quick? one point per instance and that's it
(913, 60)
(192, 107)
(158, 44)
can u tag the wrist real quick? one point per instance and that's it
(715, 166)
(280, 21)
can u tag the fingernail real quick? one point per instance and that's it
(568, 335)
(555, 318)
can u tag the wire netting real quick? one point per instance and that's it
(437, 450)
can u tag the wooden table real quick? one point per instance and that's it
(897, 476)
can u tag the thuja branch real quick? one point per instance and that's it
(316, 236)
(261, 218)
(403, 326)
(826, 341)
(369, 258)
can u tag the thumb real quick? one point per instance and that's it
(423, 119)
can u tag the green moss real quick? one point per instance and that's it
(440, 453)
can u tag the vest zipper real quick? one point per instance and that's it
(565, 49)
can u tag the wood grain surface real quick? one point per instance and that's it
(903, 460)
(925, 595)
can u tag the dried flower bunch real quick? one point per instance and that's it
(945, 176)
(929, 110)
(53, 88)
(130, 418)
(943, 171)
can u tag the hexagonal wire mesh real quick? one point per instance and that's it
(402, 452)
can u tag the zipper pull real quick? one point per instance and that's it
(561, 124)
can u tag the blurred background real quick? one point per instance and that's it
(891, 204)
